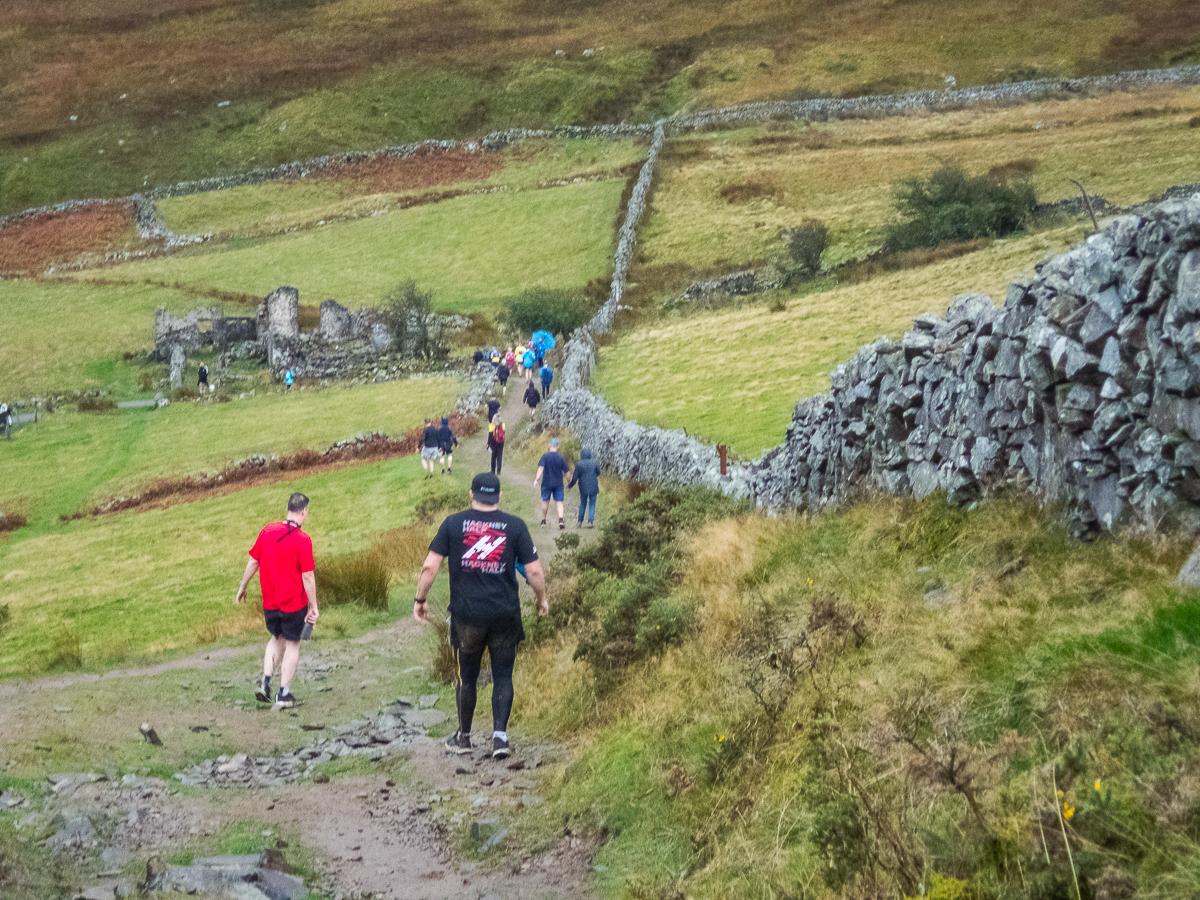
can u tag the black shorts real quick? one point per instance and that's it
(284, 624)
(499, 636)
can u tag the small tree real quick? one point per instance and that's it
(415, 328)
(805, 243)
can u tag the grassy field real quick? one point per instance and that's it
(721, 200)
(61, 335)
(69, 459)
(471, 251)
(733, 376)
(103, 100)
(358, 191)
(790, 738)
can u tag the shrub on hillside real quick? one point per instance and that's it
(805, 243)
(96, 404)
(951, 206)
(559, 311)
(415, 329)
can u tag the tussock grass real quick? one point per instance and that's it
(733, 376)
(820, 640)
(468, 251)
(353, 578)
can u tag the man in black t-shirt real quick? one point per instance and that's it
(483, 546)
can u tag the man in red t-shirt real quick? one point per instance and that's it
(283, 558)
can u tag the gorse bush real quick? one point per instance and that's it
(950, 206)
(617, 592)
(559, 311)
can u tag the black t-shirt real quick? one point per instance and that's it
(432, 436)
(482, 548)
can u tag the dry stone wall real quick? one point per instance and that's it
(1085, 385)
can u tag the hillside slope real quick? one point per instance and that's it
(102, 98)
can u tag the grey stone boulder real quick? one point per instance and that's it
(1189, 575)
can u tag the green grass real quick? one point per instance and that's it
(1126, 147)
(278, 205)
(143, 583)
(1034, 668)
(733, 376)
(69, 458)
(471, 251)
(69, 336)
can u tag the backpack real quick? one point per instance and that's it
(498, 434)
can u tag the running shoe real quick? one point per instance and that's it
(500, 748)
(543, 523)
(284, 699)
(562, 526)
(262, 691)
(459, 743)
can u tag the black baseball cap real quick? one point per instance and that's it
(486, 488)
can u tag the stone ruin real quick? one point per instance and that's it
(344, 342)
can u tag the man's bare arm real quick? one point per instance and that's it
(537, 580)
(251, 568)
(538, 476)
(429, 570)
(310, 591)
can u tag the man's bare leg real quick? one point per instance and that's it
(271, 656)
(559, 504)
(545, 509)
(291, 656)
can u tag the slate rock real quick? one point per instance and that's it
(1189, 575)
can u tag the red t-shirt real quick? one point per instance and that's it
(284, 553)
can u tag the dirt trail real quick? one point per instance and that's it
(377, 838)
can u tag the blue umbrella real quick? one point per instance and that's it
(545, 339)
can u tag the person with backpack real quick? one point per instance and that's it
(527, 360)
(532, 397)
(547, 375)
(446, 442)
(587, 475)
(495, 358)
(496, 444)
(510, 359)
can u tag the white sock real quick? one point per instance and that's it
(503, 735)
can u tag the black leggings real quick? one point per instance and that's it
(469, 642)
(497, 458)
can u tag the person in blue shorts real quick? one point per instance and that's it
(527, 360)
(547, 375)
(551, 469)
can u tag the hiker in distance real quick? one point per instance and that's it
(551, 469)
(587, 475)
(446, 443)
(283, 558)
(431, 447)
(484, 547)
(532, 397)
(495, 443)
(202, 380)
(546, 374)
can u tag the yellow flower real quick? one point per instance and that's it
(722, 737)
(1060, 793)
(1068, 811)
(1097, 784)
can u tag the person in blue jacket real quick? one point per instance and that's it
(547, 376)
(527, 361)
(446, 442)
(587, 475)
